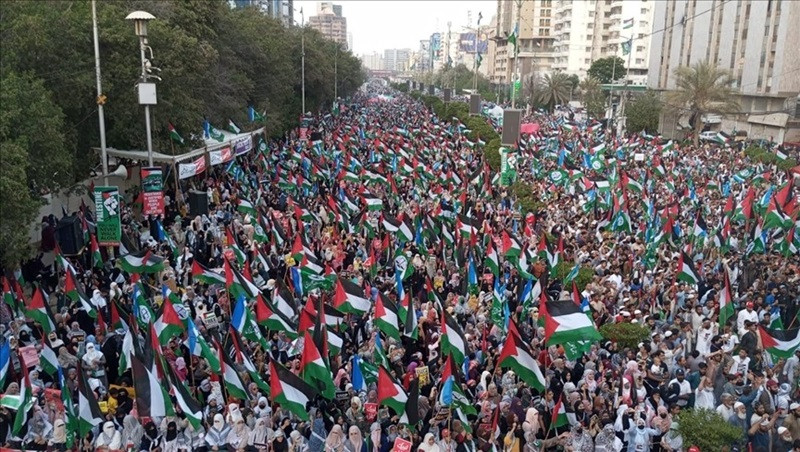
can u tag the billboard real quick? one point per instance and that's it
(466, 43)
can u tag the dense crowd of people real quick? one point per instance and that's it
(387, 203)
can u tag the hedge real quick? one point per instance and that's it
(761, 155)
(625, 334)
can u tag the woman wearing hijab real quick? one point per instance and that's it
(180, 368)
(239, 434)
(169, 440)
(279, 443)
(355, 441)
(259, 436)
(150, 437)
(335, 440)
(132, 432)
(428, 444)
(217, 435)
(109, 438)
(39, 431)
(297, 443)
(317, 440)
(59, 439)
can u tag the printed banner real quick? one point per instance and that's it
(242, 145)
(106, 206)
(153, 190)
(220, 156)
(187, 170)
(508, 166)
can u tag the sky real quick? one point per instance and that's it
(387, 24)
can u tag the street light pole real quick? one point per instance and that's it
(516, 57)
(336, 74)
(147, 90)
(303, 56)
(100, 98)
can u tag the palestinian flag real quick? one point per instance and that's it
(686, 270)
(492, 261)
(38, 311)
(775, 217)
(205, 275)
(349, 298)
(468, 226)
(168, 324)
(410, 328)
(48, 360)
(127, 352)
(452, 340)
(402, 229)
(283, 300)
(386, 317)
(142, 262)
(97, 258)
(726, 309)
(73, 290)
(26, 403)
(373, 202)
(780, 343)
(89, 414)
(237, 284)
(8, 295)
(559, 418)
(272, 319)
(390, 393)
(152, 399)
(517, 356)
(233, 384)
(279, 234)
(564, 323)
(511, 246)
(190, 407)
(290, 391)
(314, 368)
(246, 207)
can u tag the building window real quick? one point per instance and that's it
(644, 10)
(640, 48)
(545, 13)
(544, 32)
(544, 22)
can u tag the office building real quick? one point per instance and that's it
(330, 22)
(373, 61)
(758, 42)
(396, 60)
(278, 9)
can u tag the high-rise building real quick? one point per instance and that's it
(535, 39)
(396, 60)
(757, 41)
(586, 31)
(330, 22)
(279, 9)
(373, 61)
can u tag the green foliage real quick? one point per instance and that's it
(215, 62)
(17, 210)
(527, 198)
(461, 77)
(592, 97)
(625, 334)
(585, 274)
(760, 155)
(707, 430)
(643, 113)
(554, 89)
(402, 87)
(492, 154)
(606, 70)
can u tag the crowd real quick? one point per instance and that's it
(375, 288)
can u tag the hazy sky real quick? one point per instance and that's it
(387, 24)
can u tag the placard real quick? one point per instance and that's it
(423, 375)
(107, 206)
(153, 190)
(442, 414)
(29, 355)
(342, 396)
(371, 411)
(638, 157)
(210, 319)
(401, 445)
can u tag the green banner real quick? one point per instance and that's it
(508, 166)
(107, 207)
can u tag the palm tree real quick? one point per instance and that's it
(592, 97)
(702, 89)
(554, 89)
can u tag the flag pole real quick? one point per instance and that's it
(175, 171)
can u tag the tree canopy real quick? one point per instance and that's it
(215, 62)
(606, 70)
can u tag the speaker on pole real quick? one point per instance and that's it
(512, 120)
(447, 94)
(474, 104)
(69, 235)
(431, 90)
(198, 203)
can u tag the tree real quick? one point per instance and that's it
(707, 430)
(702, 89)
(608, 69)
(554, 89)
(592, 97)
(643, 113)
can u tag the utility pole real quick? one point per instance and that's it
(514, 73)
(101, 99)
(336, 74)
(303, 56)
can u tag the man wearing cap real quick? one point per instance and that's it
(750, 338)
(784, 441)
(792, 420)
(680, 391)
(760, 432)
(746, 314)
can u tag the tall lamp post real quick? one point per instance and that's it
(147, 90)
(303, 56)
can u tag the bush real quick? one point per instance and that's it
(626, 334)
(760, 155)
(585, 274)
(492, 154)
(528, 201)
(707, 430)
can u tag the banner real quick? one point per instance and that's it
(508, 166)
(220, 156)
(106, 206)
(242, 145)
(187, 170)
(401, 445)
(153, 190)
